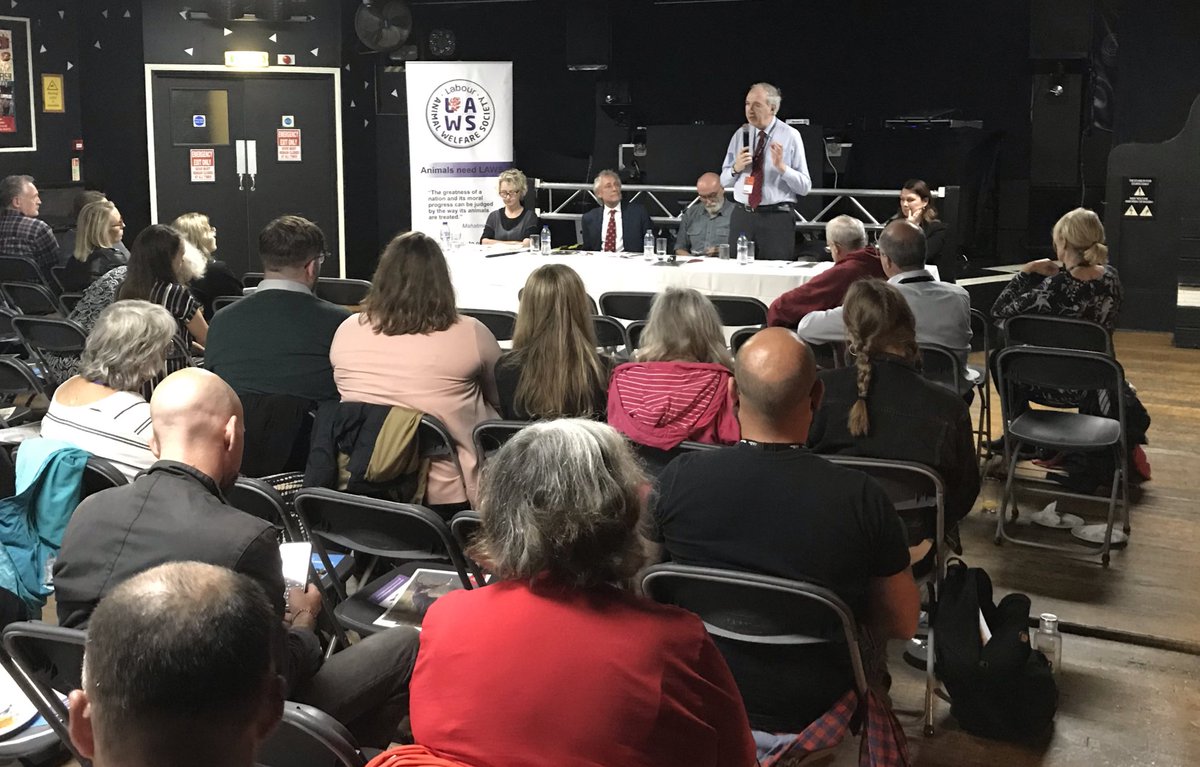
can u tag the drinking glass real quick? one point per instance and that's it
(535, 243)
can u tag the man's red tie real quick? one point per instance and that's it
(610, 234)
(756, 171)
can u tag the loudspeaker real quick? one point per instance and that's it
(1057, 105)
(1061, 29)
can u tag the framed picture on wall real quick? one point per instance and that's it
(18, 131)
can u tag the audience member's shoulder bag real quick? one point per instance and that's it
(1002, 689)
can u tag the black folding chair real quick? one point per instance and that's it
(70, 300)
(942, 366)
(610, 334)
(310, 737)
(501, 324)
(436, 443)
(913, 489)
(376, 529)
(740, 337)
(465, 526)
(981, 335)
(10, 342)
(57, 283)
(50, 335)
(490, 436)
(1057, 333)
(254, 496)
(656, 459)
(31, 298)
(1072, 370)
(17, 381)
(45, 661)
(774, 615)
(220, 302)
(99, 474)
(633, 332)
(626, 305)
(740, 310)
(20, 269)
(344, 292)
(251, 279)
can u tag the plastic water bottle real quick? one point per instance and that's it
(545, 239)
(445, 236)
(1049, 640)
(648, 244)
(743, 247)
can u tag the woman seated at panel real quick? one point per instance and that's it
(99, 229)
(882, 407)
(605, 677)
(101, 410)
(916, 207)
(553, 370)
(409, 346)
(678, 389)
(514, 222)
(213, 278)
(159, 273)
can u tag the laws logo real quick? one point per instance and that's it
(460, 113)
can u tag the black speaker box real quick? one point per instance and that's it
(1060, 29)
(1054, 150)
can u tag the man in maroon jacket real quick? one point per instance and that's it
(853, 260)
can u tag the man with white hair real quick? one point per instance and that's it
(766, 166)
(853, 259)
(705, 226)
(22, 233)
(616, 226)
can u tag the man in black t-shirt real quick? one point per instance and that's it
(768, 505)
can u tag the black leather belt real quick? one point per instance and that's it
(779, 207)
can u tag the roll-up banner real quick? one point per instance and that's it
(459, 139)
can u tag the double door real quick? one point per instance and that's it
(245, 148)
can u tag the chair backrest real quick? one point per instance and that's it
(633, 332)
(20, 269)
(740, 310)
(251, 279)
(981, 332)
(308, 736)
(465, 526)
(99, 474)
(490, 436)
(16, 378)
(220, 302)
(740, 337)
(656, 459)
(501, 324)
(178, 356)
(435, 442)
(400, 531)
(31, 298)
(70, 300)
(1057, 333)
(50, 335)
(610, 334)
(1058, 369)
(259, 498)
(57, 274)
(757, 609)
(341, 291)
(44, 661)
(626, 305)
(940, 365)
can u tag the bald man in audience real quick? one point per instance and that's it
(179, 669)
(705, 226)
(175, 511)
(769, 505)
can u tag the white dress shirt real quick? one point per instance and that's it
(778, 187)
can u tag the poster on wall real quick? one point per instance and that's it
(8, 117)
(460, 139)
(18, 129)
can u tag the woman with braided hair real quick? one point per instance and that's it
(882, 407)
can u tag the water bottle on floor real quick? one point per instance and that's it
(1048, 640)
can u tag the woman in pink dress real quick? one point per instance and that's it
(409, 346)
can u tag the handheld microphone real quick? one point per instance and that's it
(746, 137)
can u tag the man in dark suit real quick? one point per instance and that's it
(616, 226)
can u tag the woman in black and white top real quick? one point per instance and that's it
(514, 222)
(159, 273)
(101, 410)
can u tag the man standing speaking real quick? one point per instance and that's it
(766, 167)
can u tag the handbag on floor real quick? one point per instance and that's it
(999, 686)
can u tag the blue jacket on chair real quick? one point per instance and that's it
(32, 522)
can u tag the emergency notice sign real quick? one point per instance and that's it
(287, 144)
(204, 166)
(1139, 198)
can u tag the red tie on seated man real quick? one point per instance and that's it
(610, 234)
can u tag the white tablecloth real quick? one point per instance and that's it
(484, 281)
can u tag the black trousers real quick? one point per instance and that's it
(773, 231)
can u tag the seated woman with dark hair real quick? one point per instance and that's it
(410, 347)
(101, 410)
(882, 407)
(917, 208)
(678, 389)
(159, 273)
(605, 677)
(553, 370)
(99, 228)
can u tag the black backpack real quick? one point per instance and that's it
(1002, 690)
